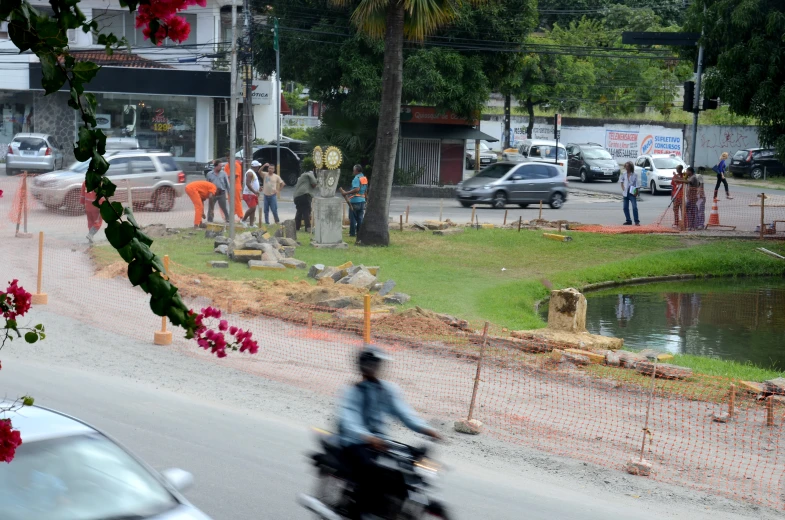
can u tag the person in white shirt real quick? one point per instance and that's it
(629, 190)
(251, 192)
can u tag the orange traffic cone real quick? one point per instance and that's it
(714, 217)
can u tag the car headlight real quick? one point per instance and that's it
(596, 169)
(487, 186)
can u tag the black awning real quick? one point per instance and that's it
(419, 131)
(130, 80)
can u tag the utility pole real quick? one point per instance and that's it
(233, 124)
(277, 98)
(696, 103)
(248, 98)
(506, 141)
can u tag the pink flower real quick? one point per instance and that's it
(15, 301)
(10, 439)
(210, 336)
(223, 325)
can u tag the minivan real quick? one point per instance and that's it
(542, 150)
(516, 183)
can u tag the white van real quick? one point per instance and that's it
(542, 150)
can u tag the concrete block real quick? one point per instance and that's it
(397, 298)
(343, 266)
(567, 310)
(212, 226)
(261, 265)
(752, 386)
(640, 467)
(374, 270)
(315, 270)
(293, 263)
(593, 356)
(449, 231)
(469, 427)
(388, 286)
(218, 264)
(244, 255)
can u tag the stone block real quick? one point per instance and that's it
(376, 287)
(240, 240)
(211, 234)
(630, 359)
(664, 370)
(336, 303)
(262, 265)
(567, 310)
(272, 252)
(487, 226)
(253, 244)
(576, 359)
(221, 240)
(288, 242)
(327, 231)
(222, 249)
(218, 264)
(388, 286)
(435, 224)
(327, 272)
(212, 226)
(343, 266)
(374, 270)
(752, 386)
(362, 279)
(244, 255)
(775, 386)
(449, 231)
(613, 358)
(288, 251)
(592, 356)
(293, 263)
(397, 298)
(640, 467)
(469, 427)
(290, 229)
(315, 270)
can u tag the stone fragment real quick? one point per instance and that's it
(721, 417)
(376, 287)
(279, 233)
(613, 358)
(420, 226)
(288, 242)
(374, 270)
(222, 249)
(272, 252)
(775, 386)
(630, 359)
(218, 264)
(315, 270)
(640, 467)
(221, 240)
(327, 272)
(567, 310)
(253, 244)
(576, 359)
(449, 231)
(343, 266)
(288, 251)
(752, 386)
(470, 427)
(388, 286)
(592, 356)
(293, 263)
(155, 230)
(435, 224)
(211, 234)
(244, 255)
(397, 298)
(212, 226)
(652, 354)
(240, 240)
(290, 229)
(262, 265)
(362, 279)
(336, 303)
(664, 370)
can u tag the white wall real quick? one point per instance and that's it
(264, 115)
(713, 140)
(205, 134)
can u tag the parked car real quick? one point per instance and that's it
(656, 171)
(542, 150)
(516, 183)
(290, 162)
(151, 177)
(754, 162)
(68, 470)
(487, 156)
(34, 153)
(591, 161)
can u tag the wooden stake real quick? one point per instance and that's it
(474, 208)
(540, 210)
(732, 400)
(310, 320)
(520, 221)
(25, 202)
(648, 406)
(762, 197)
(479, 368)
(441, 207)
(407, 213)
(770, 410)
(163, 336)
(367, 319)
(40, 298)
(505, 217)
(401, 222)
(560, 226)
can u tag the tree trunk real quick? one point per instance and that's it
(375, 230)
(530, 110)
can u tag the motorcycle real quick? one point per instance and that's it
(334, 496)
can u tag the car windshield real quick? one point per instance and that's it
(666, 163)
(549, 152)
(596, 153)
(84, 477)
(30, 143)
(495, 171)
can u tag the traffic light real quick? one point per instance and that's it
(710, 104)
(689, 96)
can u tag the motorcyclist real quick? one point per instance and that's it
(364, 409)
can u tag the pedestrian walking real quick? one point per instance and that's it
(94, 220)
(272, 186)
(677, 195)
(251, 192)
(303, 193)
(720, 170)
(221, 182)
(357, 201)
(629, 189)
(238, 187)
(198, 192)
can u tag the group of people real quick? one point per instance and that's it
(689, 207)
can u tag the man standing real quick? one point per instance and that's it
(303, 193)
(357, 202)
(221, 182)
(629, 190)
(272, 186)
(251, 191)
(676, 194)
(198, 192)
(238, 186)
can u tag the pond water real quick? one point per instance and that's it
(735, 319)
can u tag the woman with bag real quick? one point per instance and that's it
(720, 169)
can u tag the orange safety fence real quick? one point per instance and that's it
(530, 392)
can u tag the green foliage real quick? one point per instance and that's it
(408, 176)
(47, 38)
(301, 134)
(744, 54)
(295, 99)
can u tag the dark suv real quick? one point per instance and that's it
(754, 162)
(591, 161)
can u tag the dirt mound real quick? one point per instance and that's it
(313, 295)
(112, 270)
(412, 322)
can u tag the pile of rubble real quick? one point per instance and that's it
(260, 250)
(356, 276)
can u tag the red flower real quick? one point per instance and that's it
(15, 301)
(214, 339)
(10, 439)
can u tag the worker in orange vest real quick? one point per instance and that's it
(94, 220)
(238, 187)
(198, 192)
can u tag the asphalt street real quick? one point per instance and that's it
(245, 439)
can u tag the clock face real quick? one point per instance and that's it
(332, 158)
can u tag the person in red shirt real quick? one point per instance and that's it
(94, 220)
(676, 194)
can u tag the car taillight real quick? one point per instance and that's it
(749, 156)
(10, 150)
(181, 177)
(48, 151)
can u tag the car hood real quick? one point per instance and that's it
(182, 512)
(603, 163)
(477, 182)
(664, 173)
(62, 176)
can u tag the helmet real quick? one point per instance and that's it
(371, 356)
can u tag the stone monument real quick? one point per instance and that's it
(327, 208)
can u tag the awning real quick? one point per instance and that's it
(425, 131)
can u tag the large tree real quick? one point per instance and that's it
(743, 60)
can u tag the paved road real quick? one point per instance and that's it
(245, 439)
(610, 187)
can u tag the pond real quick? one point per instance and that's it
(733, 319)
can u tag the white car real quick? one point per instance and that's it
(656, 171)
(542, 150)
(487, 156)
(67, 470)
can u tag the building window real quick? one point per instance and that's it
(123, 25)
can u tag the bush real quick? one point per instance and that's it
(408, 176)
(307, 163)
(295, 132)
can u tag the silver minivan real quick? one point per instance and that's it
(516, 183)
(143, 177)
(33, 153)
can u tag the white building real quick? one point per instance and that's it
(172, 97)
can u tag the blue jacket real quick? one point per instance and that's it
(364, 410)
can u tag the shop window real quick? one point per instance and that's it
(123, 25)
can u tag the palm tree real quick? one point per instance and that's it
(393, 20)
